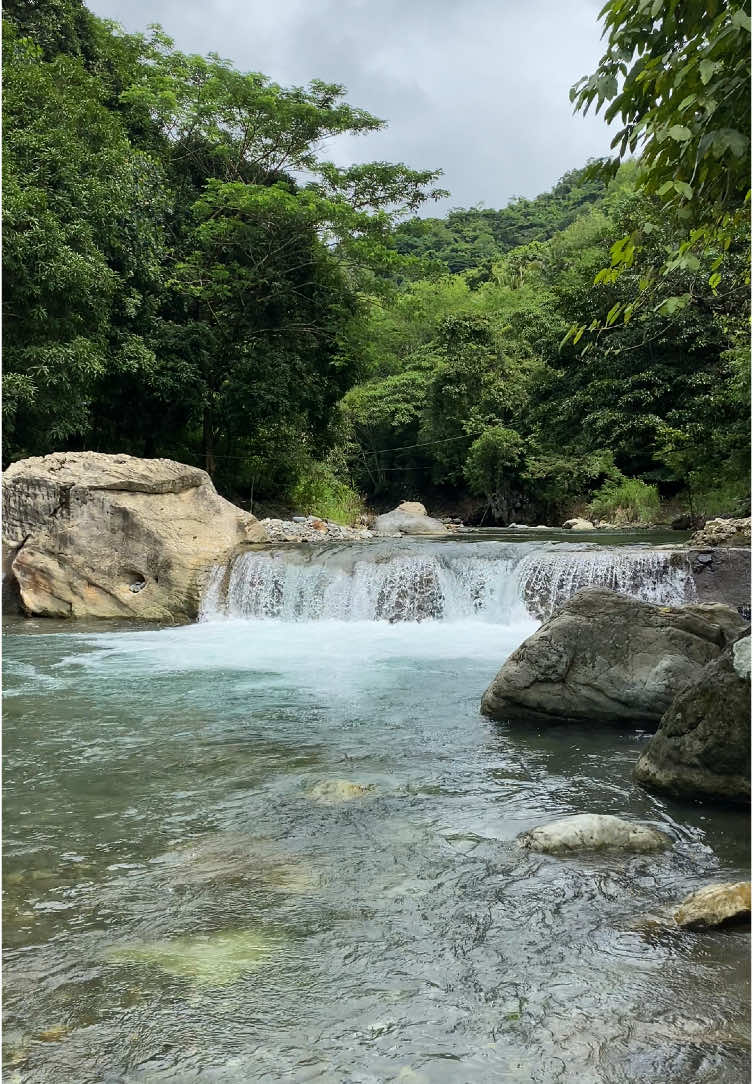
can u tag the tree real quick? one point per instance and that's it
(493, 464)
(183, 269)
(677, 74)
(83, 248)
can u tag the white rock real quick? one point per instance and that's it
(741, 658)
(408, 518)
(578, 524)
(592, 832)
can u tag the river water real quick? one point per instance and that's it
(278, 845)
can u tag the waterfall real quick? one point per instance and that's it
(423, 580)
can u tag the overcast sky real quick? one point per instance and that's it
(478, 88)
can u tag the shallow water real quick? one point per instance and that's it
(194, 892)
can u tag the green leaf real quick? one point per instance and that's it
(613, 314)
(684, 189)
(680, 133)
(707, 69)
(566, 338)
(672, 305)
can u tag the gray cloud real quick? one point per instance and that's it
(478, 88)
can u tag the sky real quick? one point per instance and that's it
(477, 88)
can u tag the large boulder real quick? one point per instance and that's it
(410, 517)
(702, 746)
(607, 658)
(94, 535)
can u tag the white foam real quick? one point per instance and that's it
(436, 583)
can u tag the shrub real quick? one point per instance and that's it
(625, 500)
(318, 492)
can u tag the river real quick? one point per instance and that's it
(278, 844)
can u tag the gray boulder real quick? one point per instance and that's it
(607, 658)
(593, 832)
(722, 574)
(410, 517)
(702, 746)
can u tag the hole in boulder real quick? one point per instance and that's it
(136, 581)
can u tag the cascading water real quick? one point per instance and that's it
(281, 845)
(415, 581)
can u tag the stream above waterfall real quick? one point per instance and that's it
(278, 844)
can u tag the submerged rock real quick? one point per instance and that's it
(716, 905)
(702, 746)
(335, 791)
(593, 832)
(410, 517)
(606, 658)
(208, 959)
(225, 857)
(100, 535)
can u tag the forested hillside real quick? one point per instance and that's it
(184, 276)
(475, 237)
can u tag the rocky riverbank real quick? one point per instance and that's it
(311, 529)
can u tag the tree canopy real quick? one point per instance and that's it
(185, 274)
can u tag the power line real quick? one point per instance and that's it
(364, 451)
(425, 444)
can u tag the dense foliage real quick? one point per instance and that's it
(185, 276)
(182, 270)
(476, 237)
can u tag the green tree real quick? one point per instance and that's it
(493, 465)
(83, 248)
(677, 75)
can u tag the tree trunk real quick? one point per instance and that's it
(208, 441)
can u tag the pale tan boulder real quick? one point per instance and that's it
(412, 508)
(100, 535)
(715, 905)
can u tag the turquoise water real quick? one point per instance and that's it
(261, 850)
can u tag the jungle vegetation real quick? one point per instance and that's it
(185, 276)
